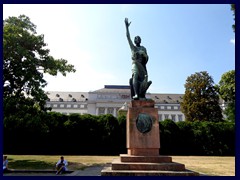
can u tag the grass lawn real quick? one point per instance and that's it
(210, 165)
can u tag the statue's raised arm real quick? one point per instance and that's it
(127, 24)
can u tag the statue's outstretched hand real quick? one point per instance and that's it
(127, 23)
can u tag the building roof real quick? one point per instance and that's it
(114, 89)
(111, 89)
(67, 96)
(157, 97)
(167, 98)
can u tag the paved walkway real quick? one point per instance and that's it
(90, 171)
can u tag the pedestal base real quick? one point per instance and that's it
(143, 143)
(128, 165)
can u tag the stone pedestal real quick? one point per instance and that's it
(143, 144)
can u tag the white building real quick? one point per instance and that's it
(109, 100)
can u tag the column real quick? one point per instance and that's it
(97, 111)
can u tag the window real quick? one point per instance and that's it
(125, 96)
(175, 107)
(168, 107)
(55, 105)
(48, 105)
(161, 107)
(82, 106)
(101, 110)
(110, 110)
(179, 117)
(173, 117)
(61, 105)
(75, 106)
(165, 116)
(160, 117)
(74, 100)
(69, 105)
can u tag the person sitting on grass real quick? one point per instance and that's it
(61, 165)
(5, 164)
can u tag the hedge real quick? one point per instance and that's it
(75, 134)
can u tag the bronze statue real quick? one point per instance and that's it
(139, 82)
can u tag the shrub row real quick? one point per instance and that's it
(197, 138)
(55, 133)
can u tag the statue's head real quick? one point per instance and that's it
(137, 40)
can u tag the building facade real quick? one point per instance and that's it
(109, 100)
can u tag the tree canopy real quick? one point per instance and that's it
(201, 101)
(25, 59)
(233, 9)
(226, 89)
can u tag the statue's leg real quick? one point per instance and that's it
(131, 87)
(145, 89)
(142, 84)
(135, 86)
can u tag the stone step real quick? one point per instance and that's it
(107, 171)
(149, 159)
(118, 165)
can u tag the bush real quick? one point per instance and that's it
(75, 134)
(197, 138)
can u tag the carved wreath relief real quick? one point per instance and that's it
(144, 123)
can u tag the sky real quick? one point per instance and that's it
(180, 39)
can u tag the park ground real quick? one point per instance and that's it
(208, 165)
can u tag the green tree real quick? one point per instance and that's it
(201, 101)
(226, 89)
(25, 60)
(233, 9)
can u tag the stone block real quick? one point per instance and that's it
(118, 165)
(142, 103)
(107, 171)
(150, 159)
(139, 143)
